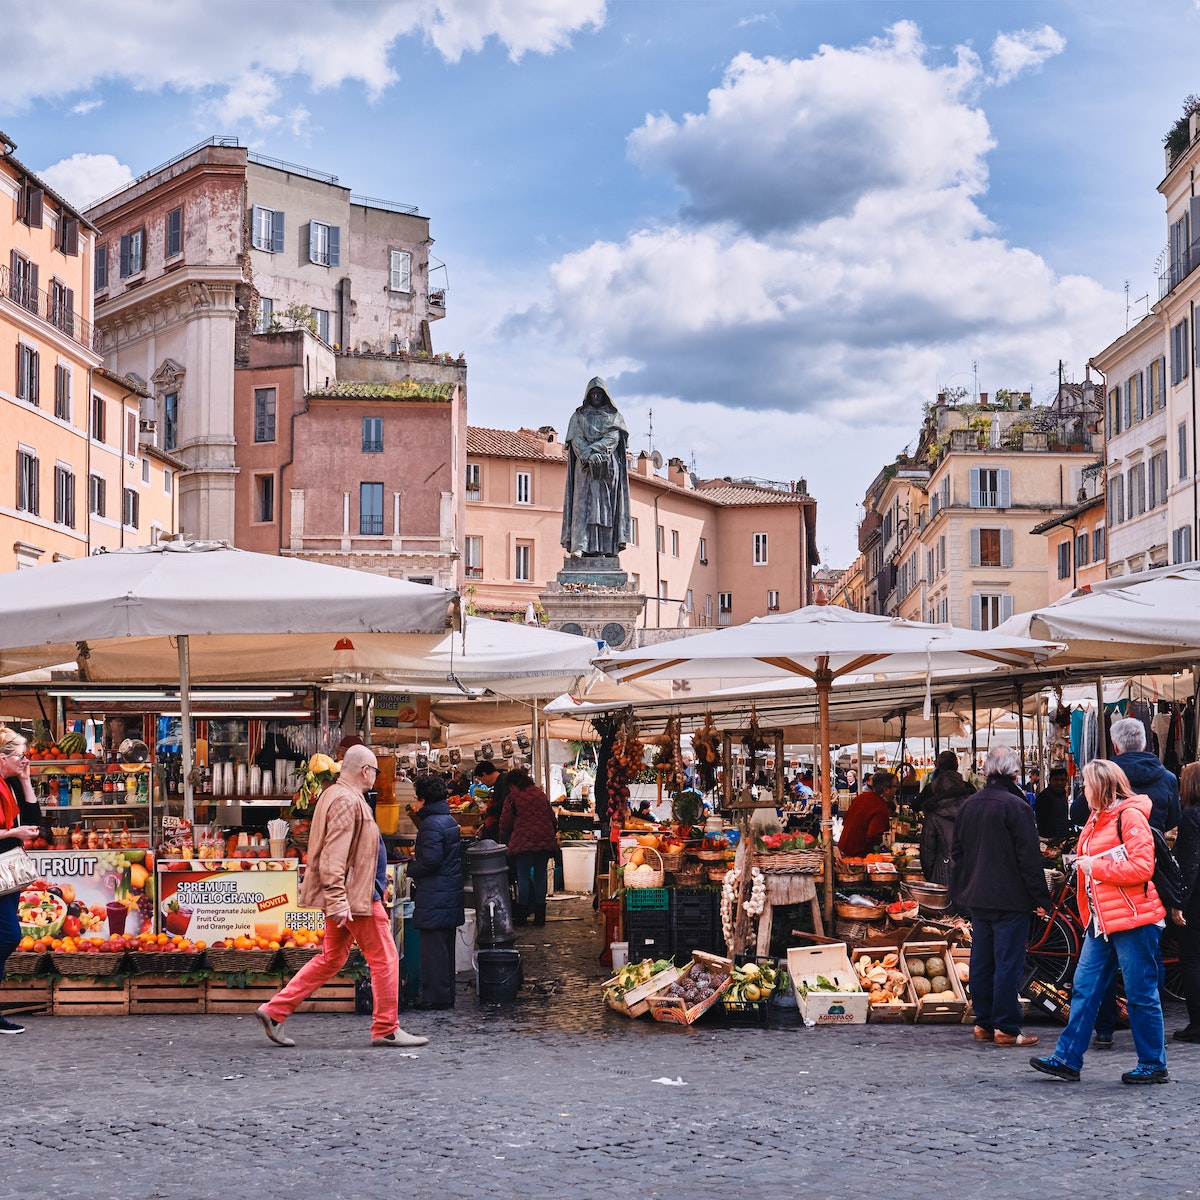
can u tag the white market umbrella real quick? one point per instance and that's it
(824, 643)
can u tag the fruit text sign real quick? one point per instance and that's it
(220, 899)
(87, 881)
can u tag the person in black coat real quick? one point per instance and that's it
(997, 874)
(1187, 919)
(944, 783)
(438, 900)
(1050, 807)
(1147, 776)
(941, 800)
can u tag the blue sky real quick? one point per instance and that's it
(780, 226)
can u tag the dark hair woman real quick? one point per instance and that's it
(438, 900)
(527, 825)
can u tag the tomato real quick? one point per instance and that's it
(72, 927)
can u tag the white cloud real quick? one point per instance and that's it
(229, 47)
(85, 106)
(83, 178)
(1024, 50)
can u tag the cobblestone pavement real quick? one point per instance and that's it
(555, 1097)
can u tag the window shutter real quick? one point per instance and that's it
(1141, 482)
(976, 557)
(312, 241)
(1006, 607)
(1154, 482)
(976, 611)
(125, 246)
(1006, 548)
(277, 232)
(33, 208)
(69, 305)
(1160, 400)
(32, 302)
(975, 489)
(1163, 484)
(335, 239)
(1005, 478)
(70, 235)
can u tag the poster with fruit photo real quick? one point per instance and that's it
(88, 893)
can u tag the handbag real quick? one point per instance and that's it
(17, 870)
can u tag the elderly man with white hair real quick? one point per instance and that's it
(997, 875)
(1146, 774)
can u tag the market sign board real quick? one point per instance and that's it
(400, 710)
(113, 888)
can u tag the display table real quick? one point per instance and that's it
(788, 887)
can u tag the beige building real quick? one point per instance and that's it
(704, 552)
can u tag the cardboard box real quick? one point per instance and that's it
(889, 1014)
(847, 1006)
(936, 1012)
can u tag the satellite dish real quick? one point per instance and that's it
(656, 459)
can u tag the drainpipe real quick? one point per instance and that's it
(1195, 474)
(657, 570)
(87, 425)
(291, 458)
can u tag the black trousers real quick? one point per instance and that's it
(437, 966)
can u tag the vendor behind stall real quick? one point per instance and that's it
(869, 817)
(486, 773)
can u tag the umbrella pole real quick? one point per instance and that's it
(1021, 731)
(823, 678)
(974, 734)
(185, 722)
(1101, 739)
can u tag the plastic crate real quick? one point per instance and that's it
(648, 932)
(696, 922)
(640, 898)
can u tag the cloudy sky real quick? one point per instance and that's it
(779, 227)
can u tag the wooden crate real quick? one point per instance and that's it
(220, 998)
(26, 995)
(336, 996)
(90, 998)
(165, 994)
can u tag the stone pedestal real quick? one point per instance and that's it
(592, 597)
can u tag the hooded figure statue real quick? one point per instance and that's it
(596, 501)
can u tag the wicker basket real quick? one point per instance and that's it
(710, 856)
(672, 862)
(859, 912)
(717, 874)
(172, 963)
(1053, 878)
(803, 861)
(234, 962)
(653, 880)
(295, 958)
(84, 964)
(693, 877)
(849, 875)
(25, 963)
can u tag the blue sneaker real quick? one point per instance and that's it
(1146, 1075)
(1051, 1066)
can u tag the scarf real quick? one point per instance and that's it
(10, 810)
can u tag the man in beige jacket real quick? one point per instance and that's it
(345, 879)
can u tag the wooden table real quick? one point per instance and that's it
(788, 887)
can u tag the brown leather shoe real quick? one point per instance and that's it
(1014, 1039)
(982, 1035)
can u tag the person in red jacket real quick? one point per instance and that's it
(528, 826)
(869, 816)
(1124, 918)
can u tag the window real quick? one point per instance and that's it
(266, 315)
(324, 244)
(1082, 545)
(944, 610)
(168, 481)
(146, 471)
(941, 550)
(522, 567)
(725, 608)
(264, 414)
(1181, 544)
(1098, 544)
(987, 611)
(399, 271)
(30, 204)
(708, 609)
(991, 547)
(524, 487)
(322, 318)
(1158, 479)
(129, 508)
(264, 498)
(674, 543)
(659, 538)
(372, 435)
(760, 549)
(23, 281)
(62, 392)
(27, 480)
(1156, 385)
(67, 238)
(96, 490)
(1136, 502)
(64, 496)
(991, 487)
(633, 531)
(474, 481)
(370, 508)
(62, 307)
(267, 230)
(174, 232)
(929, 565)
(170, 404)
(704, 552)
(97, 418)
(473, 558)
(1127, 415)
(663, 590)
(1116, 501)
(1181, 437)
(1179, 351)
(133, 247)
(772, 600)
(1114, 411)
(100, 269)
(131, 438)
(28, 374)
(689, 605)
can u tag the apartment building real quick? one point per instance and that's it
(201, 255)
(704, 552)
(76, 476)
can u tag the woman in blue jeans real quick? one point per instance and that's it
(1124, 918)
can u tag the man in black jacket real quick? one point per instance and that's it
(997, 875)
(1050, 807)
(1147, 776)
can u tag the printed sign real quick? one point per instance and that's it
(103, 891)
(399, 710)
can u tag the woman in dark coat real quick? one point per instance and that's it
(1187, 919)
(527, 825)
(941, 800)
(438, 900)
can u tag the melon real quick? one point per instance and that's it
(921, 986)
(916, 966)
(964, 971)
(939, 983)
(935, 966)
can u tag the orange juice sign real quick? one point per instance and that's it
(215, 900)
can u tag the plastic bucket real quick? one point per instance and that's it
(497, 975)
(464, 943)
(620, 954)
(579, 866)
(387, 817)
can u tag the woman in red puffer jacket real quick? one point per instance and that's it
(527, 824)
(1124, 919)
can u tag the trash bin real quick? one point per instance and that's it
(579, 866)
(498, 975)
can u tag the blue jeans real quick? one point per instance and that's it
(998, 940)
(531, 878)
(1107, 1017)
(10, 927)
(1135, 951)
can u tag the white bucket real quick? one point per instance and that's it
(579, 866)
(464, 943)
(620, 954)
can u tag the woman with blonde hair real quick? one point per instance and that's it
(1124, 918)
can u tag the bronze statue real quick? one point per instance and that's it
(596, 502)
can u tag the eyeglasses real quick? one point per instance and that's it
(370, 768)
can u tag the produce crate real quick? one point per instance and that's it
(617, 1004)
(335, 996)
(647, 898)
(91, 998)
(1048, 998)
(648, 932)
(889, 1014)
(655, 983)
(696, 922)
(26, 995)
(673, 1010)
(165, 994)
(219, 997)
(936, 1012)
(846, 1007)
(751, 1012)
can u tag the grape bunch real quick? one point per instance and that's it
(146, 907)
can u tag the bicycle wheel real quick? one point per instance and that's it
(1053, 949)
(1173, 976)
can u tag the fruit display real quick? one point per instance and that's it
(822, 983)
(700, 984)
(706, 746)
(882, 979)
(41, 913)
(750, 982)
(624, 764)
(319, 773)
(930, 980)
(904, 910)
(633, 975)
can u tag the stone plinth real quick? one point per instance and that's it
(592, 597)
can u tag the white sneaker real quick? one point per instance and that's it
(273, 1029)
(400, 1039)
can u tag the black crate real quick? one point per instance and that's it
(648, 932)
(696, 922)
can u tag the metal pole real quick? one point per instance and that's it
(974, 734)
(937, 730)
(1021, 731)
(185, 721)
(1101, 737)
(1043, 773)
(823, 678)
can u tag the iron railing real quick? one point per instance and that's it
(48, 308)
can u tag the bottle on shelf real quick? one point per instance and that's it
(108, 788)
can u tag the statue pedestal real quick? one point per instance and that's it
(592, 597)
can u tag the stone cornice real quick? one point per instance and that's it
(168, 301)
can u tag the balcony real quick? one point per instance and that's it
(724, 618)
(370, 526)
(372, 445)
(867, 529)
(1177, 271)
(46, 307)
(470, 572)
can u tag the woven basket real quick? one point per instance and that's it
(1053, 878)
(849, 875)
(717, 874)
(710, 856)
(804, 861)
(234, 962)
(297, 957)
(25, 963)
(83, 964)
(859, 912)
(653, 880)
(672, 862)
(690, 878)
(172, 963)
